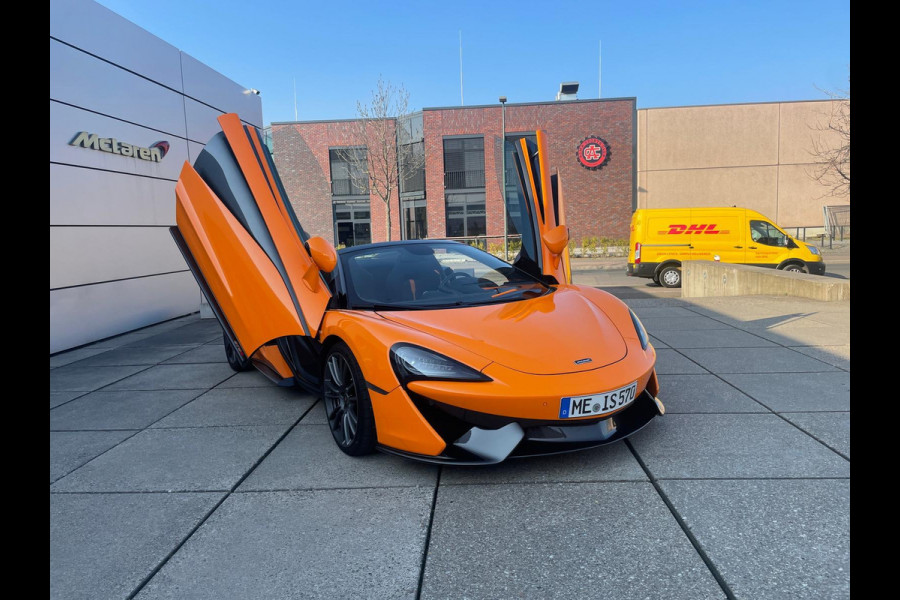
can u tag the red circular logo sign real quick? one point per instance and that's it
(593, 152)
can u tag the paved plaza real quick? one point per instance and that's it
(171, 476)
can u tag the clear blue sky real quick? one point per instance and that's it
(664, 53)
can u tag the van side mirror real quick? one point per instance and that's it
(322, 253)
(556, 239)
(791, 243)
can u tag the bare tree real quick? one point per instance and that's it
(388, 159)
(831, 145)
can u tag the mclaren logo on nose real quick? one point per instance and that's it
(154, 153)
(581, 361)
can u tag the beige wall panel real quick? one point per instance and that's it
(748, 187)
(642, 191)
(118, 307)
(801, 198)
(82, 255)
(711, 136)
(801, 124)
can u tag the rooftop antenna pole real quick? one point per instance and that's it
(461, 101)
(600, 71)
(295, 98)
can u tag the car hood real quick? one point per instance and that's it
(549, 335)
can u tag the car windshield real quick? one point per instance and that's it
(432, 275)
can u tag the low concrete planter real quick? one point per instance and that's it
(701, 278)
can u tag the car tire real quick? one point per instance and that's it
(795, 268)
(670, 276)
(348, 407)
(234, 359)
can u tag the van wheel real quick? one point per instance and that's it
(795, 268)
(670, 276)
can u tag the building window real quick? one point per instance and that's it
(348, 172)
(352, 223)
(463, 163)
(466, 215)
(415, 219)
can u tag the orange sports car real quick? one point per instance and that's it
(429, 349)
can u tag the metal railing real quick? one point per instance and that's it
(461, 180)
(484, 242)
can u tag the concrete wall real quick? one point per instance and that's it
(113, 265)
(756, 156)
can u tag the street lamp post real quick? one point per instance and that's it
(503, 178)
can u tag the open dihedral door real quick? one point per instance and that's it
(248, 252)
(541, 213)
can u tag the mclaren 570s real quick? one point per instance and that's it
(430, 349)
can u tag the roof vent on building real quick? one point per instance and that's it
(568, 90)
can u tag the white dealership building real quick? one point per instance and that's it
(127, 110)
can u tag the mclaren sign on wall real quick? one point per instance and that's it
(154, 153)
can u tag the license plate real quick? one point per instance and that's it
(597, 405)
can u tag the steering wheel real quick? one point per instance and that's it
(455, 278)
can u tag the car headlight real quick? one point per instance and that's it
(639, 327)
(814, 250)
(414, 362)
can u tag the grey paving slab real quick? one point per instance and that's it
(252, 378)
(572, 540)
(208, 353)
(161, 460)
(235, 406)
(658, 343)
(703, 394)
(671, 362)
(839, 356)
(65, 358)
(772, 539)
(308, 458)
(104, 545)
(118, 410)
(733, 446)
(57, 398)
(692, 323)
(821, 335)
(145, 332)
(129, 355)
(195, 333)
(796, 392)
(713, 338)
(649, 312)
(176, 377)
(71, 449)
(756, 360)
(314, 544)
(614, 462)
(72, 378)
(832, 428)
(316, 415)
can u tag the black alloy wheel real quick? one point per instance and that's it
(347, 404)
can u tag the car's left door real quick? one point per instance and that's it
(242, 241)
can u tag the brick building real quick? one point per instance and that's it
(459, 193)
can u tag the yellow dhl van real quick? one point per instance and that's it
(663, 237)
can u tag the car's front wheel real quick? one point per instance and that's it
(347, 404)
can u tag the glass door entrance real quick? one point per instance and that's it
(352, 224)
